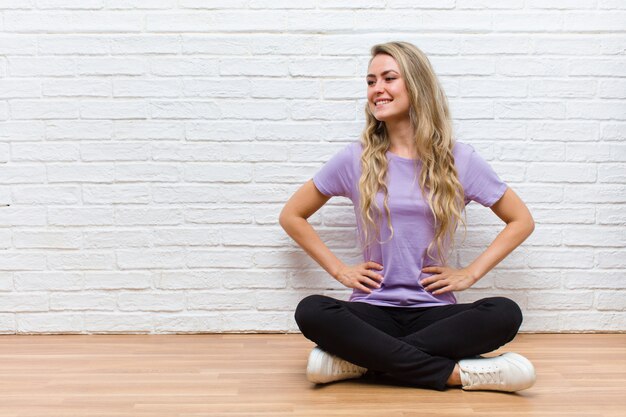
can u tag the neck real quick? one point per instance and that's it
(401, 137)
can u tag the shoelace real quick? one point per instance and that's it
(485, 377)
(344, 367)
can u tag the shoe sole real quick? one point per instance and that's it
(527, 367)
(315, 357)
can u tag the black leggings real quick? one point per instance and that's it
(418, 346)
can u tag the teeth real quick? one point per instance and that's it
(383, 102)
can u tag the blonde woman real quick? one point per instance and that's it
(409, 182)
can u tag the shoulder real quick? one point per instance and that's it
(462, 150)
(350, 151)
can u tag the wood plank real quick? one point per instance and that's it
(234, 375)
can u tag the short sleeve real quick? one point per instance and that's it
(334, 178)
(481, 183)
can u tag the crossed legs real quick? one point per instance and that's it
(418, 346)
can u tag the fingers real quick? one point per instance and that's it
(372, 264)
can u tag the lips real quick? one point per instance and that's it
(378, 103)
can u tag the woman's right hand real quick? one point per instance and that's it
(358, 276)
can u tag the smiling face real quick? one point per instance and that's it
(387, 96)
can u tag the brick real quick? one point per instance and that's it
(593, 321)
(611, 258)
(209, 172)
(185, 279)
(117, 323)
(114, 152)
(146, 173)
(17, 131)
(252, 278)
(90, 301)
(561, 172)
(572, 300)
(40, 67)
(253, 236)
(11, 44)
(7, 324)
(527, 22)
(184, 110)
(614, 300)
(116, 239)
(594, 279)
(219, 258)
(567, 131)
(145, 44)
(44, 109)
(615, 215)
(46, 194)
(186, 237)
(203, 322)
(153, 258)
(65, 261)
(531, 154)
(562, 258)
(74, 44)
(48, 281)
(594, 21)
(23, 174)
(595, 110)
(274, 173)
(19, 89)
(78, 130)
(78, 216)
(147, 88)
(117, 109)
(229, 215)
(24, 302)
(116, 280)
(151, 301)
(39, 239)
(148, 130)
(218, 300)
(63, 323)
(76, 88)
(264, 321)
(111, 194)
(44, 152)
(562, 88)
(595, 193)
(187, 66)
(218, 87)
(98, 173)
(148, 216)
(97, 66)
(6, 281)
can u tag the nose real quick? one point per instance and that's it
(378, 86)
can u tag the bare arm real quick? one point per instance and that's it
(293, 218)
(519, 225)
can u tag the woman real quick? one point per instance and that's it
(409, 182)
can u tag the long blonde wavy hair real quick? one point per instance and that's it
(431, 122)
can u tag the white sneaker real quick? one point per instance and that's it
(507, 372)
(324, 367)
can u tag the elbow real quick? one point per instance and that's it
(530, 225)
(282, 219)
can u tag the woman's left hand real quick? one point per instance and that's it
(447, 279)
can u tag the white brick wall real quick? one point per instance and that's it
(147, 147)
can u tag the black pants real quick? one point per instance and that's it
(417, 346)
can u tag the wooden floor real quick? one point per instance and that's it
(264, 375)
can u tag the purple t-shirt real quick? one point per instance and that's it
(404, 256)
